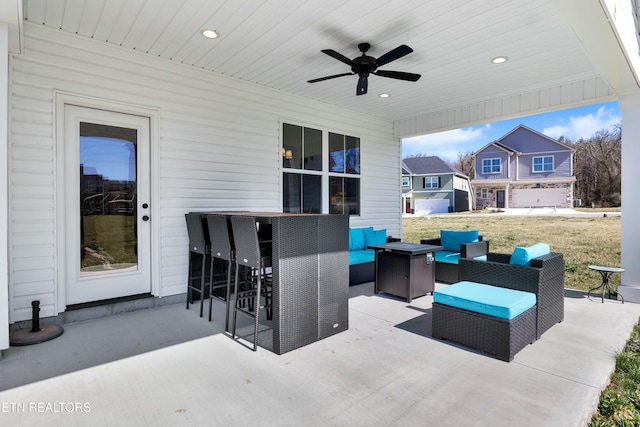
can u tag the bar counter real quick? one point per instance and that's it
(310, 265)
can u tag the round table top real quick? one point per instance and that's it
(605, 268)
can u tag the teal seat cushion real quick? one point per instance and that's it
(447, 257)
(524, 255)
(356, 238)
(450, 240)
(375, 237)
(489, 300)
(361, 257)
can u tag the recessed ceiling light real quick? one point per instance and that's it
(210, 34)
(500, 59)
(384, 95)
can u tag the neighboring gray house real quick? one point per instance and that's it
(524, 169)
(429, 185)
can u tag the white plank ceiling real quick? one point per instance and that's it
(277, 43)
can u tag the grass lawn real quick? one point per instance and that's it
(582, 241)
(620, 401)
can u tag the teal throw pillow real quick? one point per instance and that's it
(356, 238)
(450, 240)
(375, 237)
(523, 255)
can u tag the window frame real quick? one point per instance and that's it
(328, 180)
(406, 181)
(431, 179)
(542, 164)
(484, 193)
(491, 166)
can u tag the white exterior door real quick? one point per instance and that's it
(107, 195)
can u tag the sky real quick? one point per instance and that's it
(576, 123)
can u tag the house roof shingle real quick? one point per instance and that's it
(427, 165)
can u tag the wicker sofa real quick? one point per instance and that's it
(457, 245)
(361, 259)
(544, 277)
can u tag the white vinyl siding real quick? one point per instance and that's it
(218, 148)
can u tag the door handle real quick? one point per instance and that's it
(145, 217)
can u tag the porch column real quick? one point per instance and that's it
(630, 281)
(4, 162)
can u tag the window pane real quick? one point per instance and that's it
(312, 193)
(291, 200)
(352, 155)
(344, 195)
(312, 149)
(108, 187)
(291, 146)
(336, 152)
(302, 193)
(352, 196)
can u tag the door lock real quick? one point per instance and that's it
(145, 217)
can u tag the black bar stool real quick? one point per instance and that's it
(258, 282)
(223, 253)
(199, 247)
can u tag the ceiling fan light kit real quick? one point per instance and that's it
(365, 65)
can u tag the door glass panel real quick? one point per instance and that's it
(108, 184)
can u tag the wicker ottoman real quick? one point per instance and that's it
(499, 337)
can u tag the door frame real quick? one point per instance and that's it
(62, 99)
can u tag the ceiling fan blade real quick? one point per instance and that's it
(329, 77)
(400, 75)
(363, 83)
(340, 57)
(393, 54)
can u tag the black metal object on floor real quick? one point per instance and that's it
(37, 334)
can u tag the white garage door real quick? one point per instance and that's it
(424, 207)
(538, 197)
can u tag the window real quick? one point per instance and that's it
(431, 182)
(491, 166)
(344, 194)
(302, 193)
(405, 181)
(301, 151)
(344, 179)
(308, 177)
(543, 164)
(301, 148)
(484, 193)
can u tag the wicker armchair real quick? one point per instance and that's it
(544, 277)
(447, 272)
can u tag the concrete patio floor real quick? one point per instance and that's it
(165, 366)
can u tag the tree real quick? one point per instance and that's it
(598, 167)
(465, 163)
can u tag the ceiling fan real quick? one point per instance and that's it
(364, 65)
